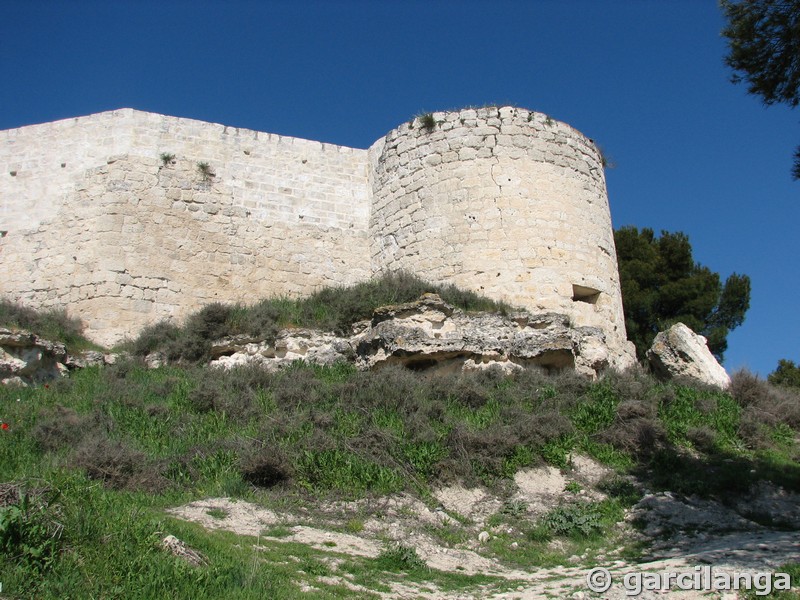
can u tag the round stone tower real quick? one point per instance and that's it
(506, 202)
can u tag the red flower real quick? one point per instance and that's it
(4, 426)
(47, 386)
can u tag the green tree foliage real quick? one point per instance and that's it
(787, 374)
(662, 285)
(764, 43)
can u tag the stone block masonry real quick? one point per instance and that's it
(110, 216)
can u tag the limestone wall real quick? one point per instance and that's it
(504, 201)
(123, 240)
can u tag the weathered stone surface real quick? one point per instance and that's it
(86, 358)
(179, 548)
(501, 201)
(680, 352)
(292, 344)
(431, 334)
(26, 358)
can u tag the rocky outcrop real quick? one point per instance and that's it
(431, 334)
(26, 358)
(680, 352)
(291, 344)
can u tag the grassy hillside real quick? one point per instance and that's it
(100, 455)
(91, 463)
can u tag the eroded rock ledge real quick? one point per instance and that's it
(431, 334)
(26, 358)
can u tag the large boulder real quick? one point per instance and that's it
(680, 352)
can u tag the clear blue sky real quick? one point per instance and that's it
(646, 79)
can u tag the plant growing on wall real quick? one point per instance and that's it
(427, 121)
(205, 171)
(605, 159)
(167, 158)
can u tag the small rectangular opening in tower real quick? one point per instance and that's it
(582, 293)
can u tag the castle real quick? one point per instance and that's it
(125, 217)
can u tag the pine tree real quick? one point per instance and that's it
(662, 285)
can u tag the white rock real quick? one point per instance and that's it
(26, 358)
(431, 334)
(680, 352)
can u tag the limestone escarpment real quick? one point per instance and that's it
(110, 217)
(431, 335)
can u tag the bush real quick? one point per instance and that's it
(62, 427)
(400, 558)
(332, 309)
(578, 521)
(52, 324)
(635, 429)
(771, 403)
(265, 467)
(117, 465)
(233, 394)
(163, 336)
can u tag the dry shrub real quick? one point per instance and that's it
(117, 465)
(754, 428)
(297, 387)
(9, 493)
(484, 449)
(62, 427)
(535, 430)
(570, 386)
(467, 389)
(232, 392)
(157, 411)
(391, 387)
(703, 438)
(771, 404)
(635, 429)
(266, 467)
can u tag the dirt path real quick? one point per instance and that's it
(686, 535)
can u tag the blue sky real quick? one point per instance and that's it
(646, 79)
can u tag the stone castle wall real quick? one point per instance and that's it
(123, 240)
(506, 202)
(502, 201)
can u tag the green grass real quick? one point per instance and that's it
(791, 569)
(103, 453)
